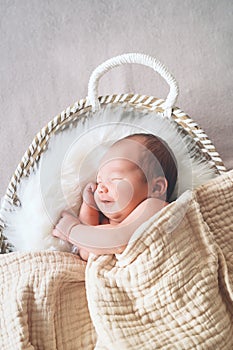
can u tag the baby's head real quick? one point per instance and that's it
(156, 159)
(136, 167)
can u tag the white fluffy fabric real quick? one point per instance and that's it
(71, 161)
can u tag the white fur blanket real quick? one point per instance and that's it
(171, 288)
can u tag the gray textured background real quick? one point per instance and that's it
(48, 50)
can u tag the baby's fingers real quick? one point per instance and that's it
(88, 194)
(93, 187)
(90, 187)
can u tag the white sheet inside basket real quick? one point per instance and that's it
(71, 161)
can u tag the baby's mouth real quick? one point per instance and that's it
(105, 201)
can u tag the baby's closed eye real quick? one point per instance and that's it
(110, 179)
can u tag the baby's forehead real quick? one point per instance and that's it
(123, 155)
(116, 165)
(125, 149)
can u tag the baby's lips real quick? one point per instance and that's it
(105, 199)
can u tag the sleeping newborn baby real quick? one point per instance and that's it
(135, 179)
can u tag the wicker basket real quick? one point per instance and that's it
(93, 102)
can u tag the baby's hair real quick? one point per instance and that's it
(160, 161)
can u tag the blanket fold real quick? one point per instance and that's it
(172, 286)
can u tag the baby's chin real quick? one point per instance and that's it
(114, 212)
(115, 218)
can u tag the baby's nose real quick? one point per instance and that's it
(102, 188)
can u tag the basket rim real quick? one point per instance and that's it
(151, 103)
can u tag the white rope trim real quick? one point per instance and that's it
(124, 97)
(179, 113)
(221, 168)
(108, 99)
(134, 98)
(214, 154)
(117, 98)
(200, 131)
(131, 58)
(156, 103)
(216, 159)
(50, 125)
(85, 103)
(148, 101)
(203, 138)
(103, 99)
(62, 116)
(141, 98)
(209, 147)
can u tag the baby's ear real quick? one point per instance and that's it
(159, 187)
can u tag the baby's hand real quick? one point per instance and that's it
(88, 194)
(65, 224)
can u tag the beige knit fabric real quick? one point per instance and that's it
(172, 288)
(43, 303)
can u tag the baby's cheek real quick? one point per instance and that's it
(125, 191)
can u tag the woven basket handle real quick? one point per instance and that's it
(132, 58)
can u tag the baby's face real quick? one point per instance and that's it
(121, 185)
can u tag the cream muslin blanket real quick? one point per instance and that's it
(43, 303)
(170, 289)
(172, 286)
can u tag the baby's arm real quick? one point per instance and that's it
(89, 239)
(89, 214)
(108, 239)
